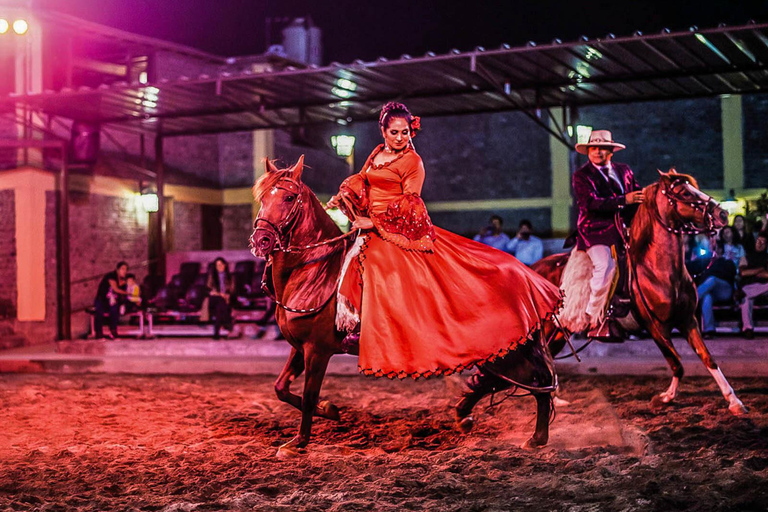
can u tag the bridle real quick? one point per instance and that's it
(705, 206)
(282, 233)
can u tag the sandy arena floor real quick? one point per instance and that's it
(105, 442)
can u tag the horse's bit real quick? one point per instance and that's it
(706, 207)
(283, 230)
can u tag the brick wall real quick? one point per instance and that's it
(104, 230)
(237, 227)
(323, 169)
(686, 134)
(7, 253)
(197, 156)
(236, 159)
(186, 227)
(755, 130)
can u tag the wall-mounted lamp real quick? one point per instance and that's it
(343, 144)
(149, 199)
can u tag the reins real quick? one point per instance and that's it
(687, 228)
(285, 228)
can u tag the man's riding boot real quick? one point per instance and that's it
(606, 332)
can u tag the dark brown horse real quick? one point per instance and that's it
(305, 251)
(662, 292)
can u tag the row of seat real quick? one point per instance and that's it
(187, 290)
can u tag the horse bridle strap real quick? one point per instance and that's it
(283, 229)
(706, 207)
(266, 278)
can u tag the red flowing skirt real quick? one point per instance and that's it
(435, 313)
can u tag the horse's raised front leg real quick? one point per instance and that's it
(663, 340)
(697, 344)
(293, 368)
(316, 365)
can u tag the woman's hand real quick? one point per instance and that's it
(362, 223)
(333, 202)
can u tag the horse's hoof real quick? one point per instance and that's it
(329, 411)
(533, 444)
(662, 399)
(287, 451)
(738, 409)
(559, 402)
(465, 425)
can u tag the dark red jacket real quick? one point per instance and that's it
(598, 201)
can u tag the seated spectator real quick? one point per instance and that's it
(728, 248)
(715, 284)
(742, 234)
(493, 235)
(110, 295)
(754, 279)
(221, 288)
(133, 297)
(526, 247)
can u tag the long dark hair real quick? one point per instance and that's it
(213, 270)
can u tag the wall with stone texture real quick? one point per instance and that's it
(323, 169)
(755, 131)
(686, 134)
(104, 230)
(8, 297)
(187, 222)
(236, 159)
(237, 226)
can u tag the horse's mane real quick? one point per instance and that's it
(642, 225)
(268, 180)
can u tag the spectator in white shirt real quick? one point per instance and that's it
(526, 247)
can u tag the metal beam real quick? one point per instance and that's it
(478, 68)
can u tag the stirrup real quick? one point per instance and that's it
(350, 341)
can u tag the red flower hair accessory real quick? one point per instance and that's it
(416, 124)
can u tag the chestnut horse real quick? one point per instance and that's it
(663, 294)
(304, 250)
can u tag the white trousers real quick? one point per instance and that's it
(752, 291)
(603, 268)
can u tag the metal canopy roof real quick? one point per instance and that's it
(670, 65)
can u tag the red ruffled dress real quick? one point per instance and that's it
(430, 302)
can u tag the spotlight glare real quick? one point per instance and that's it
(4, 26)
(20, 27)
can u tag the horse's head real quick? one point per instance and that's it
(692, 210)
(282, 197)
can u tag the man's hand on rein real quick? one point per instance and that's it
(635, 197)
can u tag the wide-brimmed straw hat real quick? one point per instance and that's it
(602, 139)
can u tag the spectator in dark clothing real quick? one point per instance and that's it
(109, 296)
(754, 279)
(743, 234)
(221, 288)
(716, 285)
